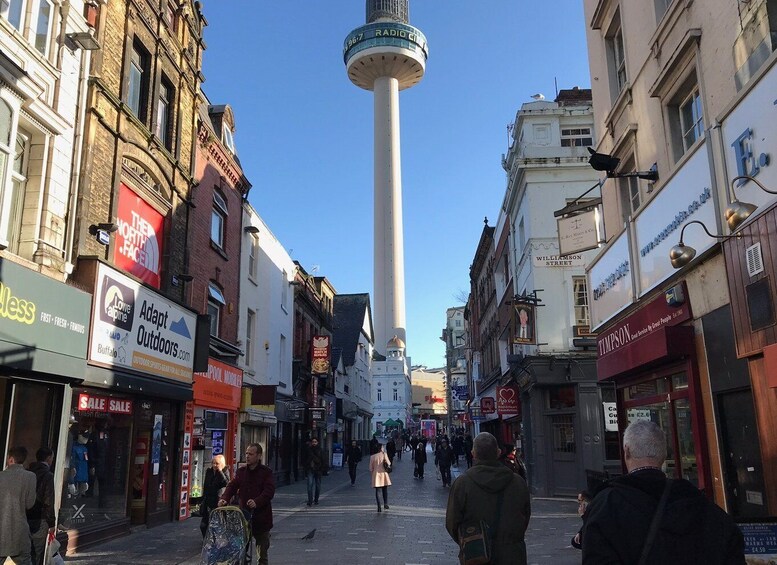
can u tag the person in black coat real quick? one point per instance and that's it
(352, 457)
(212, 488)
(413, 446)
(420, 459)
(690, 529)
(391, 450)
(443, 458)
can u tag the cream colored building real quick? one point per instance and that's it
(687, 88)
(429, 393)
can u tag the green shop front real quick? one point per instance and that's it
(44, 332)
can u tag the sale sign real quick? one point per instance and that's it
(507, 401)
(138, 241)
(92, 403)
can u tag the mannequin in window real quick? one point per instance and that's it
(97, 449)
(79, 465)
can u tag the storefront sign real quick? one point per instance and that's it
(750, 136)
(610, 416)
(574, 260)
(321, 355)
(686, 197)
(217, 442)
(44, 324)
(760, 541)
(92, 403)
(138, 241)
(136, 328)
(507, 401)
(220, 387)
(579, 233)
(610, 282)
(317, 414)
(487, 405)
(460, 393)
(615, 346)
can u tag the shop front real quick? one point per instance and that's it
(257, 419)
(44, 333)
(217, 395)
(125, 439)
(288, 440)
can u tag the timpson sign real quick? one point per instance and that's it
(656, 315)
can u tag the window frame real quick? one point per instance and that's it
(253, 254)
(575, 134)
(164, 124)
(137, 80)
(250, 338)
(21, 5)
(216, 302)
(44, 48)
(616, 56)
(219, 211)
(580, 300)
(629, 189)
(686, 95)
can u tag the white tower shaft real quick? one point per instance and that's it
(389, 270)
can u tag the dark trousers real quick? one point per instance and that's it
(352, 472)
(445, 472)
(205, 511)
(419, 470)
(314, 479)
(385, 496)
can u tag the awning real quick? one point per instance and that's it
(129, 383)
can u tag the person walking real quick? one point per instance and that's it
(510, 460)
(583, 500)
(391, 450)
(17, 495)
(468, 449)
(458, 448)
(316, 465)
(644, 517)
(413, 446)
(491, 493)
(212, 488)
(254, 485)
(420, 459)
(374, 444)
(353, 455)
(381, 480)
(443, 458)
(41, 518)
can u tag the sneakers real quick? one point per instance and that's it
(385, 506)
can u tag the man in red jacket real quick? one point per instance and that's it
(254, 485)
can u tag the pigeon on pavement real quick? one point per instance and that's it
(310, 534)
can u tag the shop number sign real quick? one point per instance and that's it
(91, 403)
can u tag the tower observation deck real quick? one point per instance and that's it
(387, 55)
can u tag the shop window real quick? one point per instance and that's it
(139, 71)
(99, 445)
(29, 428)
(218, 219)
(12, 11)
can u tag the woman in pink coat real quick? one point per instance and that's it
(380, 478)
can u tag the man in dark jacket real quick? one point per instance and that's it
(691, 529)
(420, 459)
(443, 458)
(212, 488)
(353, 455)
(41, 518)
(490, 492)
(413, 446)
(317, 466)
(254, 485)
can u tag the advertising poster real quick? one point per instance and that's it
(188, 425)
(156, 444)
(218, 442)
(138, 329)
(429, 428)
(760, 542)
(138, 241)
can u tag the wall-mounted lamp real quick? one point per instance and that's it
(251, 229)
(680, 255)
(608, 164)
(83, 40)
(738, 211)
(102, 231)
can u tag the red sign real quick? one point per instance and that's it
(138, 244)
(321, 354)
(91, 403)
(487, 405)
(507, 400)
(220, 387)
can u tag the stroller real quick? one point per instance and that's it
(228, 539)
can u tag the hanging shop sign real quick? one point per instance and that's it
(507, 401)
(580, 232)
(94, 403)
(523, 315)
(138, 241)
(135, 328)
(44, 324)
(610, 281)
(321, 354)
(487, 405)
(219, 387)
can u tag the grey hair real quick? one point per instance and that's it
(485, 447)
(645, 440)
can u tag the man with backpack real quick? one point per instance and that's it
(489, 503)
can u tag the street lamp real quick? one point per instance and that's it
(738, 211)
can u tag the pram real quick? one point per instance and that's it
(228, 539)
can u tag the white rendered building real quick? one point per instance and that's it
(392, 395)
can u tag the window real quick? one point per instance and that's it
(282, 358)
(380, 395)
(170, 16)
(12, 10)
(686, 121)
(630, 195)
(580, 299)
(396, 394)
(284, 289)
(218, 219)
(44, 27)
(216, 302)
(576, 137)
(138, 80)
(163, 121)
(227, 138)
(616, 57)
(661, 7)
(458, 323)
(253, 252)
(14, 158)
(250, 316)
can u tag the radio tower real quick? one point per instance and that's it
(385, 56)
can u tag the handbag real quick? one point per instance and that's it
(475, 539)
(387, 467)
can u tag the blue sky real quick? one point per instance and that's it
(304, 132)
